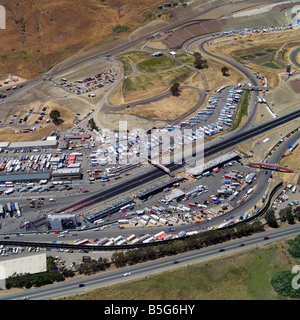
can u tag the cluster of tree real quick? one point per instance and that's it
(288, 214)
(294, 247)
(199, 62)
(55, 116)
(93, 266)
(283, 281)
(224, 71)
(119, 29)
(198, 241)
(27, 280)
(54, 274)
(174, 89)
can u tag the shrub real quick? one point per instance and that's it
(282, 284)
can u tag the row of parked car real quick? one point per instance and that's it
(91, 83)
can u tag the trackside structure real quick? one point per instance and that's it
(271, 166)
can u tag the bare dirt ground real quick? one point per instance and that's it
(168, 108)
(14, 133)
(284, 97)
(4, 85)
(42, 34)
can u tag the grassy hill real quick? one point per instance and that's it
(41, 33)
(240, 276)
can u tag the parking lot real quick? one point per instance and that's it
(90, 84)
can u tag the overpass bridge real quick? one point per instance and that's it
(275, 167)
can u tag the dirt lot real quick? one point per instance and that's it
(14, 133)
(284, 97)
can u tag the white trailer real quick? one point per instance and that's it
(131, 237)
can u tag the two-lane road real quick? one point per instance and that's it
(152, 267)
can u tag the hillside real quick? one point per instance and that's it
(41, 33)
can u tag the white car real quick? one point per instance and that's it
(127, 274)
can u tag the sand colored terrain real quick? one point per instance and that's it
(291, 161)
(166, 109)
(41, 33)
(284, 97)
(42, 129)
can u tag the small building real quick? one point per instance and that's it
(61, 221)
(3, 146)
(175, 194)
(66, 174)
(24, 177)
(63, 144)
(33, 145)
(80, 137)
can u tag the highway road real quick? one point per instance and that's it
(152, 267)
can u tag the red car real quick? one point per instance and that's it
(86, 190)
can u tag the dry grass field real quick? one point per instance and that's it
(42, 33)
(168, 108)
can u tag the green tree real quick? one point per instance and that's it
(118, 259)
(290, 218)
(257, 226)
(224, 71)
(50, 264)
(271, 219)
(175, 89)
(54, 115)
(294, 247)
(199, 63)
(282, 215)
